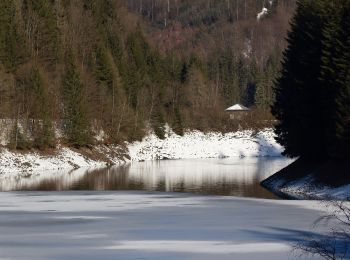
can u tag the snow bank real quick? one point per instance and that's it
(26, 163)
(195, 144)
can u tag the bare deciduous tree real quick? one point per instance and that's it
(335, 244)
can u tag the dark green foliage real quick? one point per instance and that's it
(104, 71)
(312, 93)
(335, 76)
(77, 125)
(184, 73)
(44, 133)
(254, 78)
(12, 45)
(115, 45)
(178, 124)
(136, 73)
(264, 96)
(224, 70)
(298, 98)
(158, 122)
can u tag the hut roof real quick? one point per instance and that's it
(237, 107)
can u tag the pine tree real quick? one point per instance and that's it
(250, 95)
(264, 94)
(184, 73)
(44, 133)
(298, 94)
(229, 77)
(243, 77)
(335, 76)
(137, 69)
(77, 124)
(104, 71)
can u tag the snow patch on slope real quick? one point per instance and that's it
(196, 144)
(25, 163)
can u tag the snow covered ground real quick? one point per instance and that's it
(139, 225)
(193, 144)
(12, 163)
(304, 188)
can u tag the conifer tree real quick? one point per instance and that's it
(335, 76)
(77, 124)
(183, 73)
(243, 77)
(298, 96)
(250, 95)
(44, 134)
(229, 77)
(104, 71)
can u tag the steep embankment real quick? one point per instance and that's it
(193, 144)
(312, 180)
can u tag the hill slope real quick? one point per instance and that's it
(113, 68)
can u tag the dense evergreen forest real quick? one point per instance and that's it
(72, 68)
(313, 91)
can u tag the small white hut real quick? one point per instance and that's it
(237, 112)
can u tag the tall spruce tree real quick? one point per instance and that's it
(44, 133)
(298, 105)
(335, 76)
(77, 124)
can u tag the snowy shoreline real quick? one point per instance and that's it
(307, 188)
(193, 145)
(303, 180)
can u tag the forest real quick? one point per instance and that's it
(76, 69)
(312, 101)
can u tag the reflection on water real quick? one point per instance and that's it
(232, 176)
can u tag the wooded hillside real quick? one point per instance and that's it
(89, 65)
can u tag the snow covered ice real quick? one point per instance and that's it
(138, 225)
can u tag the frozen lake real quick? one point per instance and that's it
(230, 176)
(150, 225)
(153, 210)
